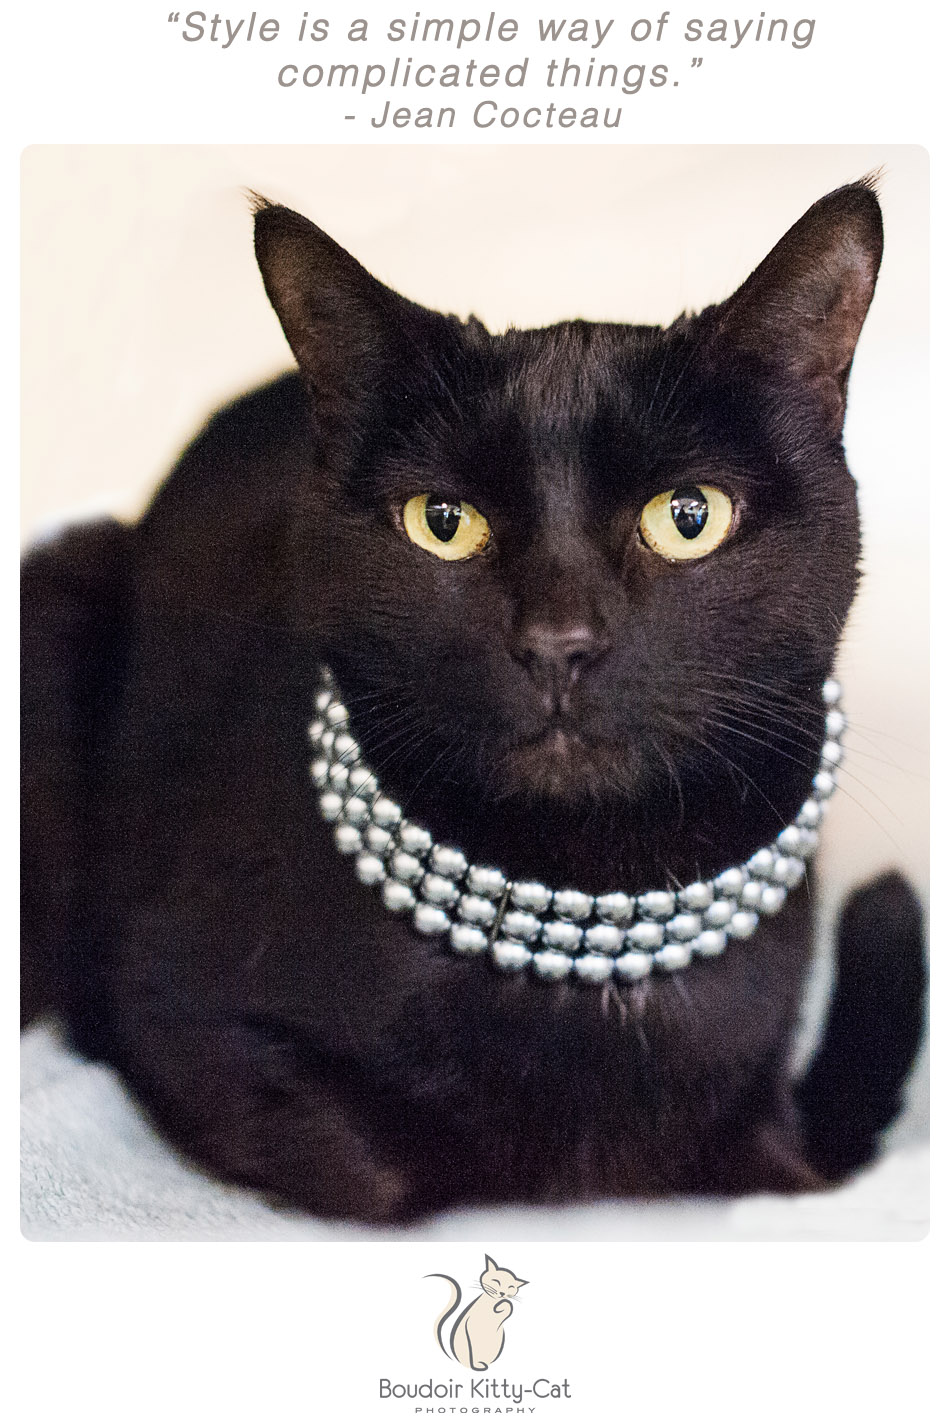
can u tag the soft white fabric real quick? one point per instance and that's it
(92, 1168)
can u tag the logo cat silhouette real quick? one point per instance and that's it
(478, 1334)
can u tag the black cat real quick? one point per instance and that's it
(579, 590)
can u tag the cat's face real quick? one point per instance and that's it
(499, 1283)
(589, 566)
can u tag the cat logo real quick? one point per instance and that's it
(478, 1333)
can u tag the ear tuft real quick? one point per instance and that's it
(803, 308)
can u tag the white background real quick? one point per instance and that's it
(239, 1331)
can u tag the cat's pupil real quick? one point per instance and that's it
(443, 519)
(690, 511)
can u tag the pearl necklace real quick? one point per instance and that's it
(561, 932)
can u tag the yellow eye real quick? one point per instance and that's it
(688, 522)
(448, 529)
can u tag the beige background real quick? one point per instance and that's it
(143, 309)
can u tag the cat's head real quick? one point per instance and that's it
(594, 573)
(499, 1283)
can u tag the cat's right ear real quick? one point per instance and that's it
(352, 336)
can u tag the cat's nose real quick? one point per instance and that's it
(555, 656)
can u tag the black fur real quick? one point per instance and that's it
(186, 909)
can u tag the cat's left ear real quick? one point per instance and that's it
(802, 309)
(521, 1282)
(490, 1263)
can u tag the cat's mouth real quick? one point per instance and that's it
(563, 763)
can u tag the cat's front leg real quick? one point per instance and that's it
(309, 1151)
(269, 1126)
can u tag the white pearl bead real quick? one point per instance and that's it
(510, 957)
(603, 938)
(405, 867)
(566, 936)
(789, 840)
(632, 966)
(331, 806)
(370, 869)
(695, 897)
(488, 882)
(831, 755)
(683, 926)
(761, 863)
(345, 748)
(593, 969)
(831, 692)
(615, 908)
(320, 771)
(773, 897)
(710, 943)
(810, 814)
(551, 966)
(794, 873)
(450, 862)
(377, 839)
(348, 839)
(534, 897)
(474, 909)
(573, 905)
(414, 838)
(835, 724)
(751, 895)
(465, 938)
(658, 903)
(429, 919)
(397, 897)
(719, 913)
(824, 784)
(729, 883)
(673, 957)
(645, 936)
(356, 811)
(386, 813)
(339, 778)
(439, 890)
(322, 701)
(363, 782)
(522, 926)
(316, 730)
(743, 925)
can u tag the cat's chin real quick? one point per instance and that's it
(562, 765)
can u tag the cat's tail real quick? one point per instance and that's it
(854, 1086)
(450, 1309)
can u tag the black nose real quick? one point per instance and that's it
(555, 656)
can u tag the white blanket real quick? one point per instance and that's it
(92, 1168)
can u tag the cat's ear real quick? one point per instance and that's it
(490, 1263)
(353, 337)
(521, 1282)
(802, 309)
